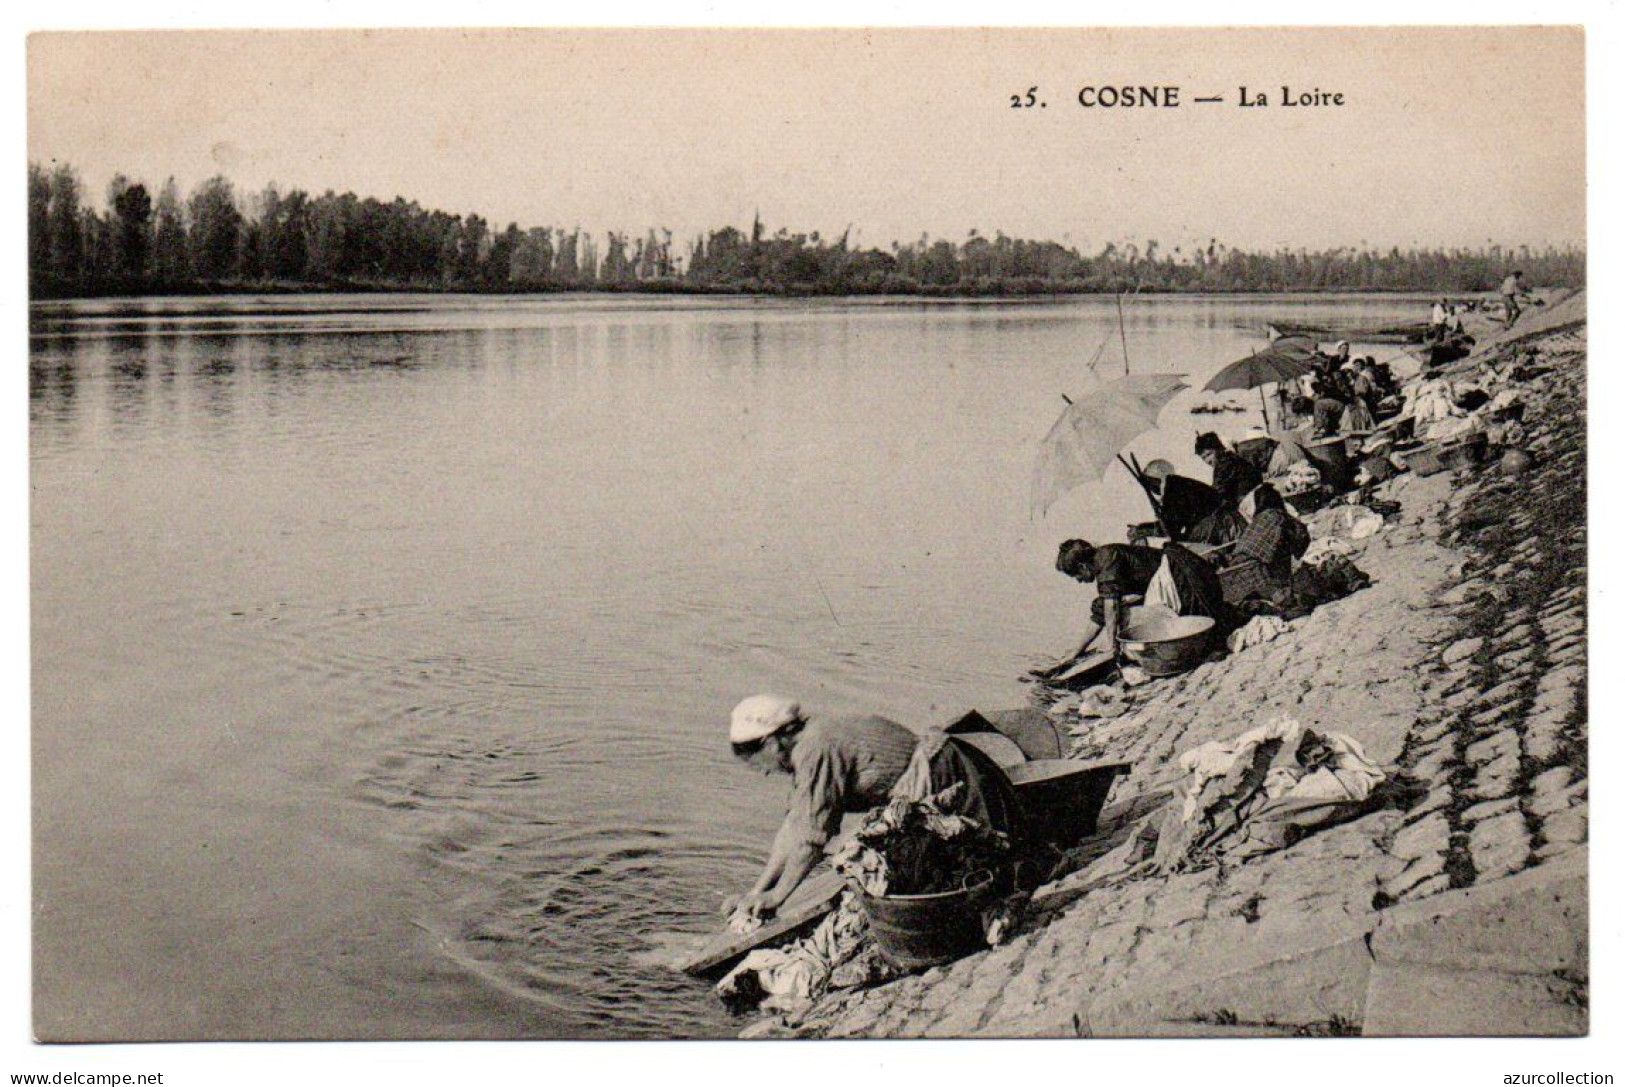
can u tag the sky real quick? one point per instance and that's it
(1447, 136)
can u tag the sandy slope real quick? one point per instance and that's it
(1464, 667)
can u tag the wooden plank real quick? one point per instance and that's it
(996, 746)
(1051, 769)
(807, 903)
(1032, 730)
(1088, 670)
(1204, 550)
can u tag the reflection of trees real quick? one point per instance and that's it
(219, 239)
(53, 385)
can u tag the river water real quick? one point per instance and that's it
(383, 646)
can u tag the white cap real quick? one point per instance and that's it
(1159, 469)
(1340, 345)
(761, 716)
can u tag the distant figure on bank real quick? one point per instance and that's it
(849, 764)
(1121, 571)
(1328, 415)
(1234, 477)
(1331, 375)
(1440, 317)
(1339, 356)
(1300, 408)
(1512, 292)
(1365, 385)
(1387, 383)
(1357, 414)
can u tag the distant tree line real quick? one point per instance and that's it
(217, 239)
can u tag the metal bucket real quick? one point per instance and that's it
(1331, 457)
(917, 932)
(1166, 645)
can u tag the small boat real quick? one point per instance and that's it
(1402, 334)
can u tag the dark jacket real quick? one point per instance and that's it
(1233, 477)
(1187, 503)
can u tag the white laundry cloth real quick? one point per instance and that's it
(1162, 592)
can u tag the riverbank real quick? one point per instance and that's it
(1460, 909)
(984, 291)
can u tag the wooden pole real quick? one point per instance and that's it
(1139, 477)
(1122, 332)
(1264, 406)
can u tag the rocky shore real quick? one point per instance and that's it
(1459, 906)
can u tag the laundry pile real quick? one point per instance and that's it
(907, 847)
(915, 847)
(838, 954)
(1443, 409)
(1329, 577)
(1327, 545)
(1262, 791)
(1259, 629)
(1300, 478)
(1102, 702)
(1347, 522)
(1433, 408)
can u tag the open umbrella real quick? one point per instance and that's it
(1286, 359)
(1094, 429)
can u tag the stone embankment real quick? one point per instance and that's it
(1459, 906)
